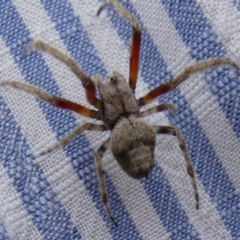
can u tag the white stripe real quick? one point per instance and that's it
(224, 19)
(176, 54)
(17, 222)
(56, 165)
(113, 54)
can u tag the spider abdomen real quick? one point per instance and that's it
(133, 144)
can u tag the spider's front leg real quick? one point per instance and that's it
(87, 82)
(173, 83)
(102, 187)
(175, 132)
(136, 40)
(53, 100)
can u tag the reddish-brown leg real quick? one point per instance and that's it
(173, 83)
(55, 101)
(136, 40)
(73, 65)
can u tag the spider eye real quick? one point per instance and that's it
(113, 79)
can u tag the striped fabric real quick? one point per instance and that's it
(56, 196)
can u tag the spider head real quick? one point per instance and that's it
(133, 144)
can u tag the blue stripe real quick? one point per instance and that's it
(72, 34)
(27, 176)
(194, 29)
(202, 153)
(168, 208)
(3, 232)
(227, 91)
(82, 158)
(224, 83)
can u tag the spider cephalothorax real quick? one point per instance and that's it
(118, 100)
(132, 141)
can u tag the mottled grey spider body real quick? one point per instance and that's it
(130, 136)
(132, 141)
(118, 100)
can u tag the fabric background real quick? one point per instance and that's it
(56, 196)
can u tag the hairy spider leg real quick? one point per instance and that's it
(173, 83)
(53, 100)
(175, 132)
(78, 130)
(159, 108)
(102, 187)
(87, 82)
(136, 40)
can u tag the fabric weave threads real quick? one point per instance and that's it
(56, 196)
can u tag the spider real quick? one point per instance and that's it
(132, 141)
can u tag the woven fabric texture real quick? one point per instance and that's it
(56, 196)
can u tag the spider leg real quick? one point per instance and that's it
(159, 108)
(73, 65)
(53, 100)
(136, 40)
(78, 130)
(102, 187)
(175, 132)
(173, 83)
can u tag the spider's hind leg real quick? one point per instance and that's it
(78, 130)
(175, 132)
(102, 186)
